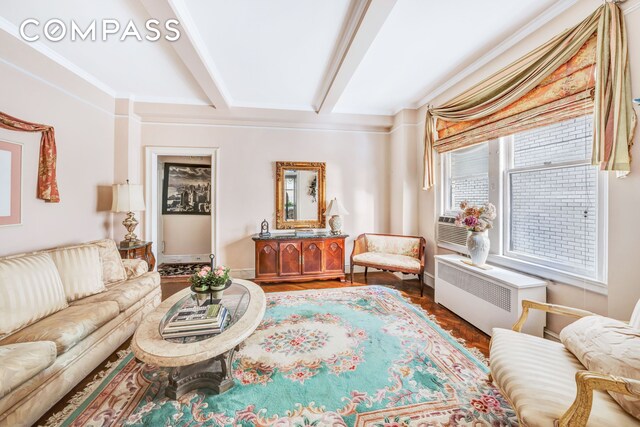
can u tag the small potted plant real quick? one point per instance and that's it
(210, 281)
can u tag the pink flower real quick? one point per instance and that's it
(471, 221)
(206, 268)
(203, 273)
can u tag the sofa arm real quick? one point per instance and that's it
(549, 308)
(586, 381)
(135, 267)
(359, 245)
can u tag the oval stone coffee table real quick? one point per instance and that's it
(200, 362)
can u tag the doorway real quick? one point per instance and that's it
(181, 197)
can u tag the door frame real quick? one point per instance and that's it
(152, 190)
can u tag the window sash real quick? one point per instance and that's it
(599, 274)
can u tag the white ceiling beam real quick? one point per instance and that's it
(191, 49)
(363, 24)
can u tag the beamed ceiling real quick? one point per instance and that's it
(326, 56)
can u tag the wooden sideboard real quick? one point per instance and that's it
(291, 258)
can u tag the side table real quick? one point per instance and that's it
(141, 250)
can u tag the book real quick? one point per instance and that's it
(197, 323)
(194, 330)
(196, 315)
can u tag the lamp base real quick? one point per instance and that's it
(335, 222)
(130, 223)
(127, 244)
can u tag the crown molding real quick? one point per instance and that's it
(630, 6)
(552, 12)
(258, 117)
(38, 46)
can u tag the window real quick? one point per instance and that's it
(468, 177)
(549, 213)
(291, 196)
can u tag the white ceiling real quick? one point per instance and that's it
(282, 54)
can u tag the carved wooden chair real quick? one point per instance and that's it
(390, 252)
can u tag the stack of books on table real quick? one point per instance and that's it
(192, 321)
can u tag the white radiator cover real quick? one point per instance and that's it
(488, 298)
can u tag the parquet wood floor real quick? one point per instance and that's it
(458, 327)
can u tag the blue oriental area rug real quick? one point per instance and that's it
(333, 357)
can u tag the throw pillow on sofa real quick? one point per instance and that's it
(607, 346)
(80, 271)
(112, 268)
(30, 289)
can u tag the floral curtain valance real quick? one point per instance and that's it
(583, 70)
(47, 182)
(571, 82)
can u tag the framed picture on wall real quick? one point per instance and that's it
(10, 183)
(186, 189)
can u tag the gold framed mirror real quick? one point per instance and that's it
(300, 195)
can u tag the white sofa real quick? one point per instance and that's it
(63, 311)
(590, 378)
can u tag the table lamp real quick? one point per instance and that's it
(128, 198)
(336, 209)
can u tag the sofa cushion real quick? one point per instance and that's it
(135, 267)
(126, 293)
(30, 289)
(23, 361)
(607, 346)
(67, 327)
(388, 260)
(80, 271)
(398, 245)
(538, 377)
(112, 268)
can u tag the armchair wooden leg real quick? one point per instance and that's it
(365, 272)
(421, 277)
(351, 274)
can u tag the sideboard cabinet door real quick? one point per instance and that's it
(290, 258)
(334, 255)
(266, 259)
(312, 257)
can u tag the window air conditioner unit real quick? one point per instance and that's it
(451, 237)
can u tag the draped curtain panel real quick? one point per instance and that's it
(582, 71)
(47, 182)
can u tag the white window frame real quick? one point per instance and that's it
(500, 158)
(544, 267)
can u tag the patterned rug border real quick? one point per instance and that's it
(94, 386)
(124, 356)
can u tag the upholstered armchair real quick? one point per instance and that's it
(390, 252)
(575, 383)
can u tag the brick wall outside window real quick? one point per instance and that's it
(472, 188)
(553, 211)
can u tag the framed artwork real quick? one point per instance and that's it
(10, 183)
(186, 189)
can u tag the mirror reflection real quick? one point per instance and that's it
(301, 194)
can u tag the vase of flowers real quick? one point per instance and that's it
(477, 220)
(212, 281)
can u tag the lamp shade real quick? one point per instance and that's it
(336, 208)
(127, 198)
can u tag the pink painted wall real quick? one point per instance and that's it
(357, 173)
(84, 135)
